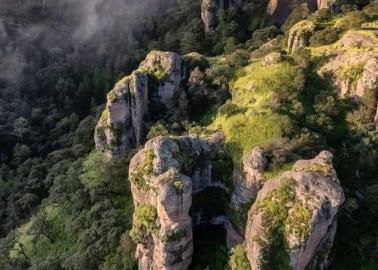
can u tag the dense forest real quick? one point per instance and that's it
(63, 205)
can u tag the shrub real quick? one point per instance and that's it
(144, 223)
(219, 75)
(351, 74)
(371, 11)
(261, 36)
(238, 259)
(238, 58)
(229, 109)
(157, 130)
(93, 171)
(325, 37)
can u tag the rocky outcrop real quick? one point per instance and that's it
(211, 8)
(353, 68)
(299, 35)
(164, 175)
(249, 183)
(353, 72)
(279, 10)
(122, 125)
(293, 219)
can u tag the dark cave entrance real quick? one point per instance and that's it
(208, 213)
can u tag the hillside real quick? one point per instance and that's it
(232, 134)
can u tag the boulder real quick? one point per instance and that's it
(164, 175)
(122, 125)
(293, 220)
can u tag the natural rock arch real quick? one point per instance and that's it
(165, 176)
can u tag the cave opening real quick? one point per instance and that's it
(208, 213)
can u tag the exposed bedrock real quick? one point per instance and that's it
(293, 220)
(156, 82)
(165, 177)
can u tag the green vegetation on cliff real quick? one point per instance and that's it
(63, 207)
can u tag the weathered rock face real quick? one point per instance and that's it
(299, 209)
(354, 73)
(299, 35)
(122, 125)
(164, 175)
(353, 70)
(279, 10)
(211, 8)
(248, 184)
(168, 68)
(333, 5)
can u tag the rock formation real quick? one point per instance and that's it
(164, 175)
(353, 74)
(122, 125)
(279, 10)
(249, 183)
(299, 35)
(333, 5)
(211, 8)
(353, 70)
(293, 219)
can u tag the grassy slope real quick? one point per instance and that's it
(255, 123)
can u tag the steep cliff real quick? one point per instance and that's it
(249, 183)
(279, 10)
(293, 220)
(164, 176)
(334, 5)
(123, 122)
